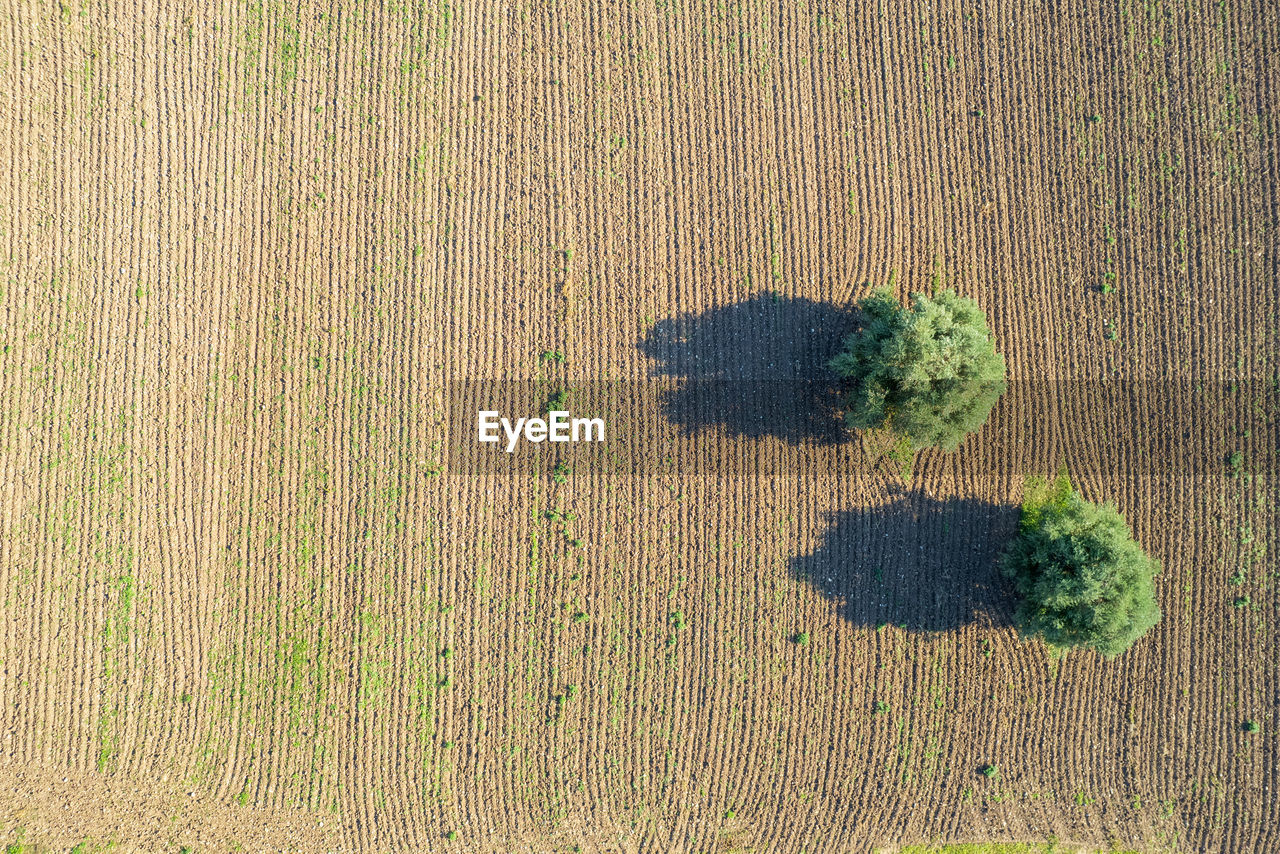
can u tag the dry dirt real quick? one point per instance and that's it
(255, 597)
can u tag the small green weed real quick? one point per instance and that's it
(557, 402)
(1235, 463)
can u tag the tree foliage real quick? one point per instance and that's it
(928, 372)
(1082, 579)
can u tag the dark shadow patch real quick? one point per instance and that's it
(918, 562)
(757, 368)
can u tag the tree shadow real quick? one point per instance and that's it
(917, 562)
(758, 368)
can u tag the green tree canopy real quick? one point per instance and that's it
(1082, 579)
(927, 372)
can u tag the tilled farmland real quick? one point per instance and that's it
(259, 263)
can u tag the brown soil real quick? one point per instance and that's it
(250, 252)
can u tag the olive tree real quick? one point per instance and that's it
(927, 372)
(1081, 578)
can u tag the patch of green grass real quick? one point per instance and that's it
(997, 848)
(903, 455)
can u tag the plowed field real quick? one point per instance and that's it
(261, 593)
